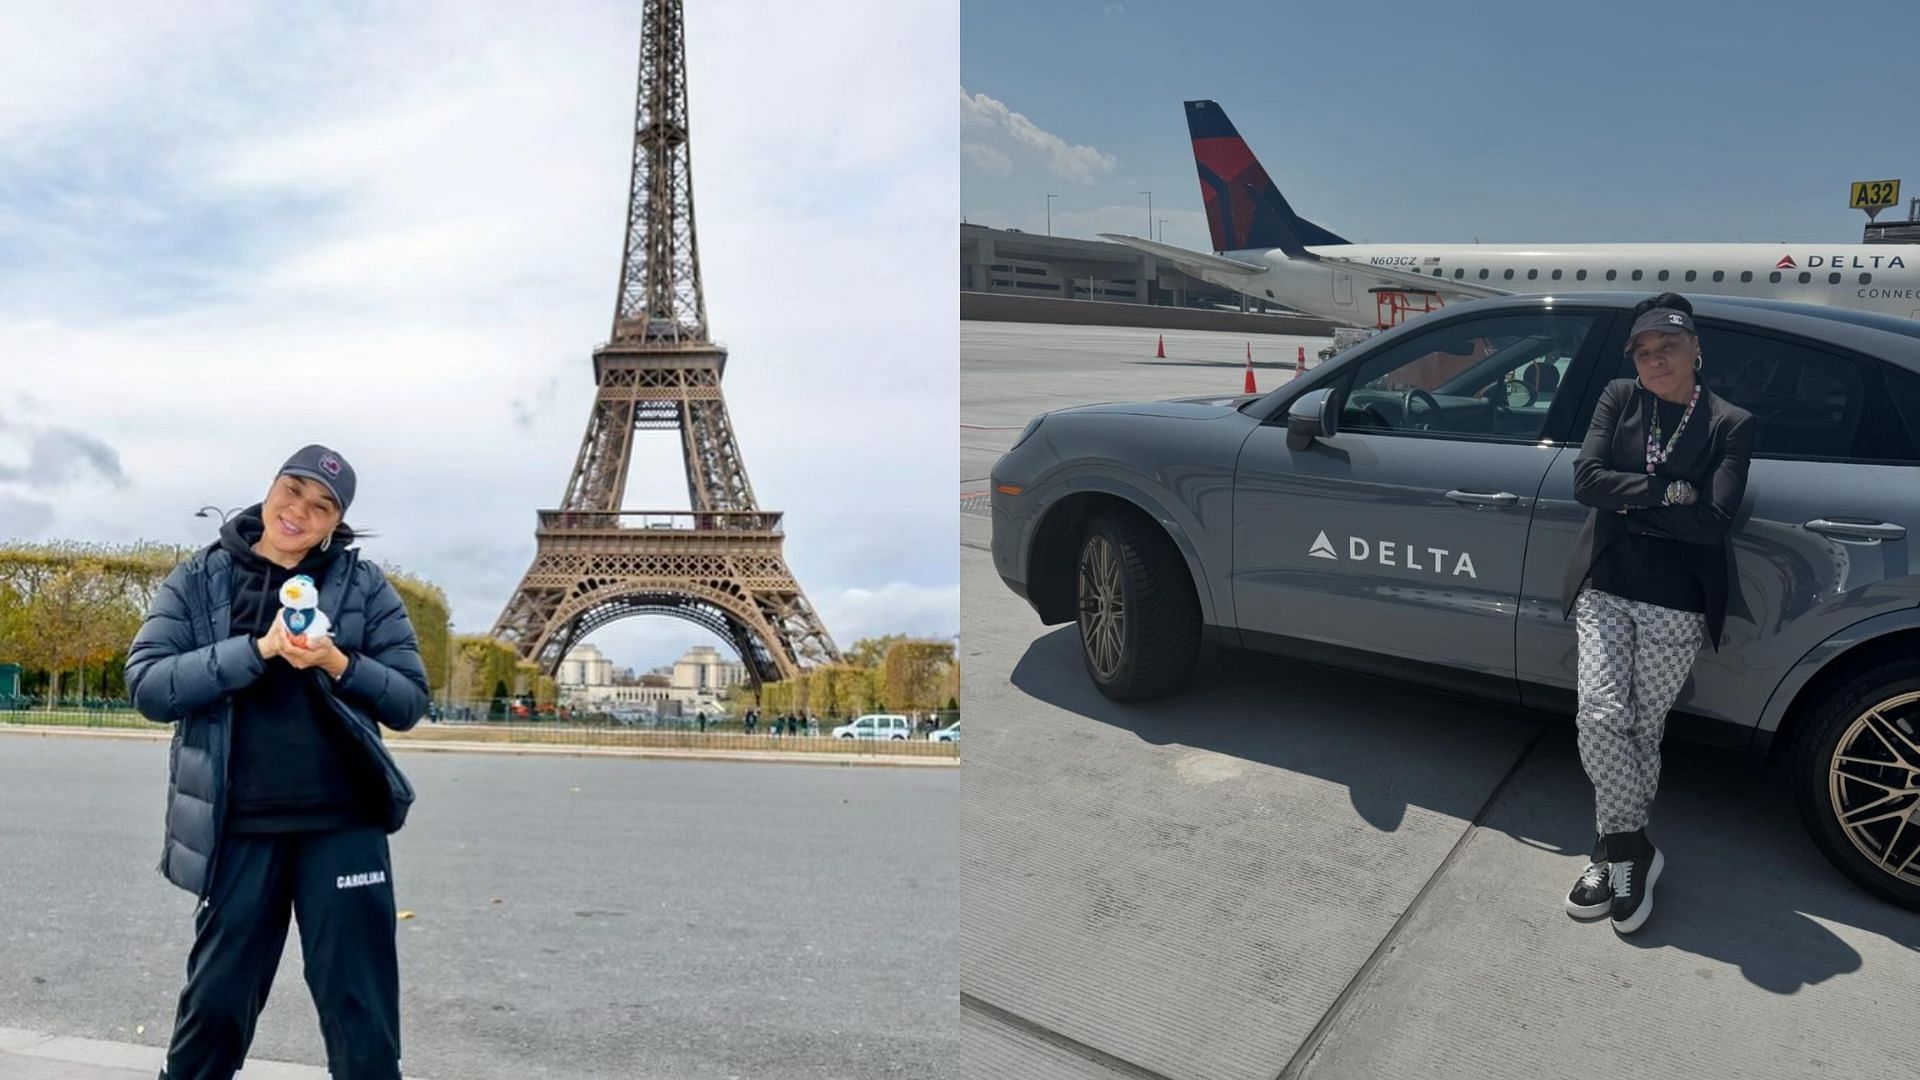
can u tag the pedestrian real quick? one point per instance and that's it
(280, 795)
(1664, 467)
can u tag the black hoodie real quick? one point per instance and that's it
(292, 767)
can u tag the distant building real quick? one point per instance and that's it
(697, 682)
(704, 670)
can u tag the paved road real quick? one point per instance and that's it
(573, 917)
(1292, 873)
(1011, 372)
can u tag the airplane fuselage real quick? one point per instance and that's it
(1883, 278)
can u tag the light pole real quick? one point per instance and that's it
(446, 692)
(1149, 196)
(224, 514)
(1050, 198)
(1163, 230)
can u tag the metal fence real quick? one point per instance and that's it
(666, 736)
(548, 733)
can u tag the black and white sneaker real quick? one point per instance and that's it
(1591, 896)
(1633, 880)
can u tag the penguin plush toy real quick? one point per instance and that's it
(300, 610)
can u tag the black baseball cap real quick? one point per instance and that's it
(1664, 319)
(326, 466)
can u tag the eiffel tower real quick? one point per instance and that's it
(720, 565)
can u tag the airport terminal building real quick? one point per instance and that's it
(1011, 262)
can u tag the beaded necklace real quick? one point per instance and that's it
(1658, 454)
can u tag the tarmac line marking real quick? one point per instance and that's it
(1303, 1056)
(1119, 1065)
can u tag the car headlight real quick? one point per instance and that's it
(1033, 425)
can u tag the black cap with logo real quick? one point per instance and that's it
(316, 462)
(1664, 319)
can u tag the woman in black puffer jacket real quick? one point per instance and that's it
(281, 794)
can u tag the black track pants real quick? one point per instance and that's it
(339, 887)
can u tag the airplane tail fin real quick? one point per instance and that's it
(1245, 209)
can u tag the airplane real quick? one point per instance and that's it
(1264, 250)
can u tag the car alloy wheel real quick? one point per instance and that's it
(1873, 785)
(1103, 609)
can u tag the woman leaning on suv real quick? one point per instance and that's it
(1664, 466)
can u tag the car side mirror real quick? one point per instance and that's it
(1313, 415)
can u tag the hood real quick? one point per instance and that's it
(1212, 407)
(245, 529)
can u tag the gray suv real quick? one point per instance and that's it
(1407, 510)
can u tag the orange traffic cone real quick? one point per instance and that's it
(1251, 389)
(1160, 350)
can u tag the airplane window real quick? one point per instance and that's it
(1774, 277)
(1611, 274)
(1532, 274)
(1663, 275)
(1637, 275)
(1509, 275)
(1580, 275)
(1691, 275)
(1833, 279)
(1460, 272)
(1747, 275)
(1805, 277)
(1556, 275)
(1718, 275)
(1436, 271)
(1483, 275)
(1866, 278)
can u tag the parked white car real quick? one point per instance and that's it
(876, 726)
(947, 734)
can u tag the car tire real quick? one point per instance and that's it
(1860, 720)
(1146, 645)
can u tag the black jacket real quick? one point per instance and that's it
(186, 664)
(1611, 474)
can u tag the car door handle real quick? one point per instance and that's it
(1858, 530)
(1481, 498)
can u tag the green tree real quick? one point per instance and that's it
(916, 674)
(872, 652)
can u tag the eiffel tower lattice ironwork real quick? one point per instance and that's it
(721, 564)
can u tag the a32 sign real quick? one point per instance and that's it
(1873, 194)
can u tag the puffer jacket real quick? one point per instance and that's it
(185, 665)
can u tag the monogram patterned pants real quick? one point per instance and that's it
(1634, 657)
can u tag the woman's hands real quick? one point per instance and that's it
(1681, 493)
(323, 653)
(275, 641)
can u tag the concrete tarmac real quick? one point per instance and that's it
(1292, 872)
(572, 917)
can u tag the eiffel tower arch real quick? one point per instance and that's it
(720, 565)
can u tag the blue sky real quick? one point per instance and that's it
(1438, 123)
(231, 228)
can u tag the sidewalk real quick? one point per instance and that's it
(30, 1055)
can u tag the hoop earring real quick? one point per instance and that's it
(327, 543)
(1696, 361)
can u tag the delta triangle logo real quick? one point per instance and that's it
(1786, 263)
(1323, 548)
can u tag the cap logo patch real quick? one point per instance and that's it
(330, 465)
(1676, 320)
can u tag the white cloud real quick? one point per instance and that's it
(440, 197)
(986, 158)
(1068, 161)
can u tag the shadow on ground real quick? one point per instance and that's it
(1744, 884)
